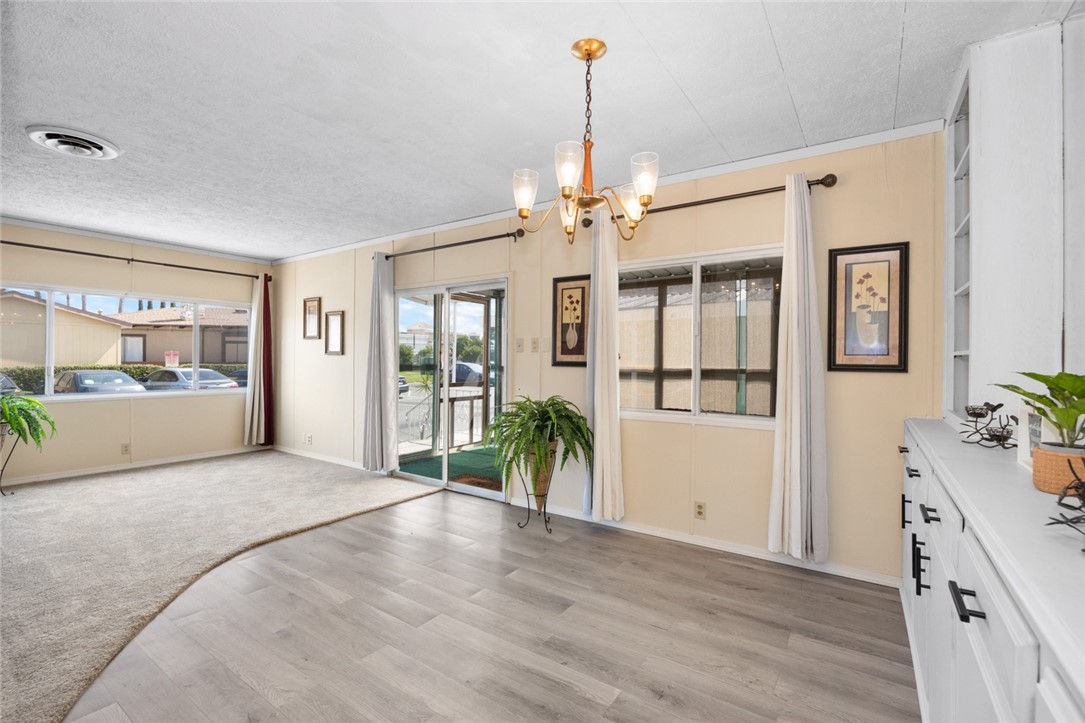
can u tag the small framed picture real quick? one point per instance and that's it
(333, 332)
(572, 296)
(868, 308)
(310, 318)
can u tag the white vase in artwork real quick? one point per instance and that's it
(571, 337)
(865, 326)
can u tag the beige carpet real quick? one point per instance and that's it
(86, 563)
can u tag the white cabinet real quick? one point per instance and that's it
(997, 631)
(1053, 701)
(911, 474)
(989, 592)
(940, 684)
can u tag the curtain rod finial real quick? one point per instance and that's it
(828, 180)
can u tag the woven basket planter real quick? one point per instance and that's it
(1051, 468)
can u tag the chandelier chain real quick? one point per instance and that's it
(587, 100)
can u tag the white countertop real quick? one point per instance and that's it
(1043, 567)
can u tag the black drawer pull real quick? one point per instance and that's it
(957, 593)
(913, 555)
(912, 472)
(902, 450)
(903, 511)
(918, 569)
(926, 512)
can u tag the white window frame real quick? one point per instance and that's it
(695, 416)
(50, 349)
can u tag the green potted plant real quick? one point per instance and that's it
(529, 430)
(25, 418)
(1063, 407)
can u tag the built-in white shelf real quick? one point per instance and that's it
(963, 226)
(962, 165)
(961, 353)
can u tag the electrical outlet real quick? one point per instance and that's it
(535, 344)
(308, 439)
(126, 448)
(699, 510)
(519, 343)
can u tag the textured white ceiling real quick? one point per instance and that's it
(271, 130)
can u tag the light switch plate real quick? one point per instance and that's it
(535, 344)
(519, 343)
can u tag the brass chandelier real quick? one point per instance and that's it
(572, 163)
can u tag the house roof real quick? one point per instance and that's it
(181, 317)
(64, 308)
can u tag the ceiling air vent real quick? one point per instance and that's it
(73, 143)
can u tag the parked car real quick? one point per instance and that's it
(241, 376)
(9, 387)
(404, 387)
(79, 381)
(165, 380)
(468, 373)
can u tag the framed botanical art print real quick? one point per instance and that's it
(333, 332)
(868, 308)
(572, 295)
(310, 318)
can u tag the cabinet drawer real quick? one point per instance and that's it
(941, 518)
(1053, 701)
(1002, 636)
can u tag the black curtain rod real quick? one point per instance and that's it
(518, 233)
(828, 180)
(127, 259)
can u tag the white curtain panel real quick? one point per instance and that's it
(607, 499)
(256, 401)
(380, 448)
(798, 507)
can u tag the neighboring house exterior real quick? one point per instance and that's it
(417, 336)
(150, 333)
(81, 337)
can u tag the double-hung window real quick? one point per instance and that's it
(700, 336)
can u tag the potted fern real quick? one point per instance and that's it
(527, 434)
(25, 418)
(1063, 407)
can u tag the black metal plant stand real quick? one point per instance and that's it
(543, 514)
(14, 443)
(1074, 491)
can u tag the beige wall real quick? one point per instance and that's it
(81, 340)
(78, 339)
(886, 193)
(159, 341)
(91, 431)
(68, 271)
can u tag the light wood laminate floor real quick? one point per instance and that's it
(440, 609)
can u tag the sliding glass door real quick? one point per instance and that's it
(452, 369)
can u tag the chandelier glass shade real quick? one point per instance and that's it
(572, 165)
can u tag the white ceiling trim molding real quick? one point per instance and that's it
(871, 139)
(28, 223)
(798, 154)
